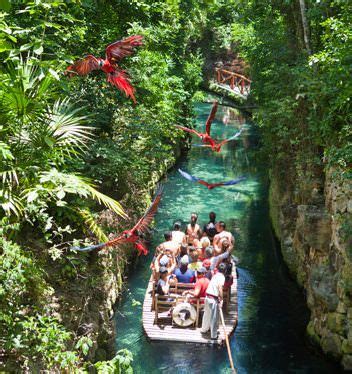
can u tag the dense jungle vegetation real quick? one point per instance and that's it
(69, 147)
(300, 63)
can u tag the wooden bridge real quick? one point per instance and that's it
(235, 83)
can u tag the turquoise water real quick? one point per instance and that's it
(270, 337)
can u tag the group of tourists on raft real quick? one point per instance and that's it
(199, 256)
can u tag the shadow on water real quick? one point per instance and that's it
(270, 337)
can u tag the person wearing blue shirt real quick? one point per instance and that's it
(183, 274)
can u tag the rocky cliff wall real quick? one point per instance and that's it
(316, 242)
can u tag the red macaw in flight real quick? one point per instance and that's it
(210, 186)
(114, 52)
(134, 235)
(205, 137)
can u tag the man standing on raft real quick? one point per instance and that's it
(213, 301)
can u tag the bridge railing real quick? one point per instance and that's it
(234, 80)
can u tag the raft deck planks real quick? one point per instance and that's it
(165, 331)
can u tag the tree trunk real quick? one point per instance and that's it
(305, 25)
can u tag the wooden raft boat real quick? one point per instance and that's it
(158, 324)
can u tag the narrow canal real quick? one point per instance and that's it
(270, 337)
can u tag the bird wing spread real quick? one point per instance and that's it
(232, 137)
(188, 130)
(120, 80)
(145, 221)
(197, 180)
(192, 178)
(84, 66)
(204, 183)
(211, 117)
(122, 48)
(141, 226)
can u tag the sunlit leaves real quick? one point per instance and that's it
(304, 102)
(57, 184)
(10, 203)
(91, 222)
(84, 343)
(121, 363)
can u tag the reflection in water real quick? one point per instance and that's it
(270, 335)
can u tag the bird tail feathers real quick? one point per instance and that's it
(121, 81)
(88, 249)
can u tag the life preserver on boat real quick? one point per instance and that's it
(184, 314)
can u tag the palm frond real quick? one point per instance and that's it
(107, 201)
(66, 123)
(10, 203)
(5, 151)
(8, 174)
(25, 88)
(90, 221)
(71, 183)
(9, 177)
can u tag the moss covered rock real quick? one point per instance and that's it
(332, 345)
(312, 335)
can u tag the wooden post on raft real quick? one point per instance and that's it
(227, 341)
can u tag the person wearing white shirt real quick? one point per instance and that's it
(213, 301)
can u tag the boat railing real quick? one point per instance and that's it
(177, 288)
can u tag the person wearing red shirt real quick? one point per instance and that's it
(201, 285)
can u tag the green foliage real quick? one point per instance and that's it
(305, 109)
(333, 100)
(60, 138)
(48, 28)
(120, 364)
(48, 340)
(84, 343)
(17, 272)
(29, 334)
(32, 336)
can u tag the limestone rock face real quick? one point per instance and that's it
(315, 233)
(313, 227)
(322, 283)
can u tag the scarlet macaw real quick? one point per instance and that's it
(114, 52)
(210, 186)
(134, 235)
